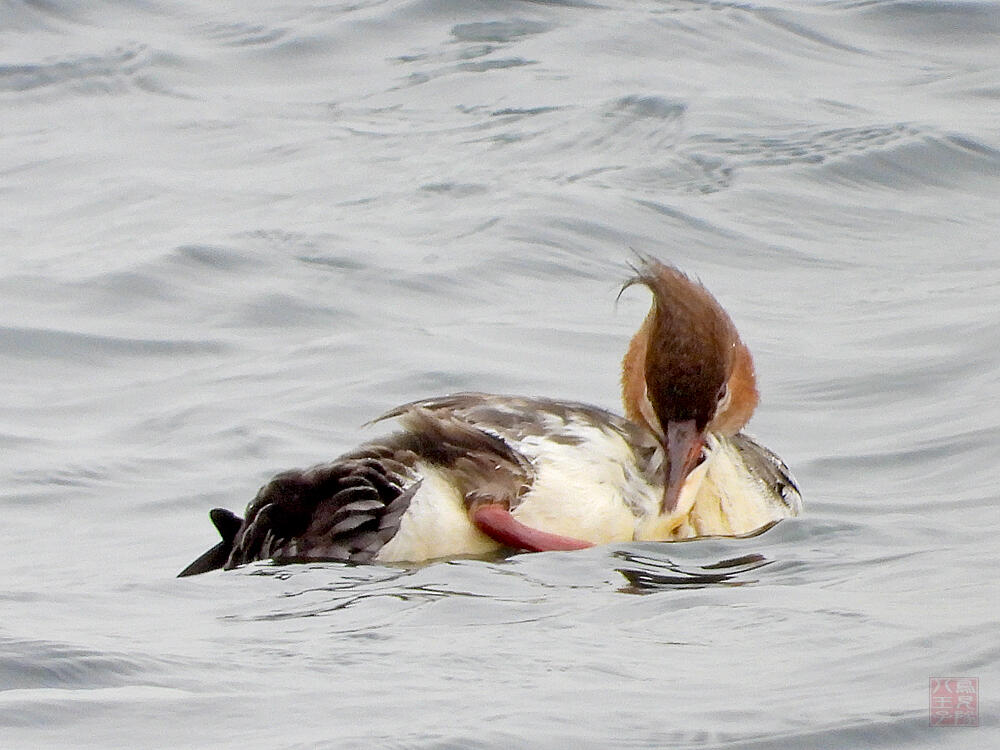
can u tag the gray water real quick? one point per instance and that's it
(231, 233)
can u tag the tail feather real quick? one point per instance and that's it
(228, 525)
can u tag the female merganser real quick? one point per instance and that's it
(474, 473)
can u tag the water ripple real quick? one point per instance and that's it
(89, 347)
(111, 71)
(500, 32)
(46, 664)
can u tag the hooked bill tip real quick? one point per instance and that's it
(682, 445)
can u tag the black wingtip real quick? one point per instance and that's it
(228, 525)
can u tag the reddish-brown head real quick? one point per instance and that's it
(686, 371)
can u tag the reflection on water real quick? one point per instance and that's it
(657, 574)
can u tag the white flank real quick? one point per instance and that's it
(436, 524)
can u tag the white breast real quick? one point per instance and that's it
(729, 499)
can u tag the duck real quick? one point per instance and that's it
(475, 474)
